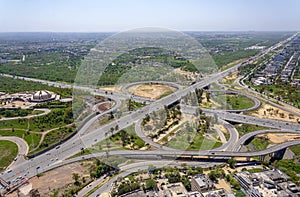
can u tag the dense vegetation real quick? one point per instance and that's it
(230, 46)
(29, 129)
(10, 85)
(48, 65)
(281, 91)
(17, 112)
(54, 137)
(228, 57)
(137, 57)
(290, 167)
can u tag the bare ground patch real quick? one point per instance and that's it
(58, 179)
(112, 88)
(277, 138)
(151, 91)
(271, 112)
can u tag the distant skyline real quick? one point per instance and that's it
(122, 15)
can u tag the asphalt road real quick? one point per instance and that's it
(56, 156)
(247, 136)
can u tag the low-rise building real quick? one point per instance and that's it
(271, 183)
(201, 183)
(175, 190)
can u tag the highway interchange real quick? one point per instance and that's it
(59, 155)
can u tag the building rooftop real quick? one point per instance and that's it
(175, 190)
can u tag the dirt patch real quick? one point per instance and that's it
(59, 178)
(104, 107)
(209, 104)
(151, 91)
(223, 185)
(17, 104)
(190, 76)
(271, 112)
(222, 128)
(232, 76)
(112, 88)
(277, 138)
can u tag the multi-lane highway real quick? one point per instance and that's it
(58, 156)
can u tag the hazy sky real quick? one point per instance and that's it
(119, 15)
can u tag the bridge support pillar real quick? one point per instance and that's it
(262, 158)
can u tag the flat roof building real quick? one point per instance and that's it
(175, 190)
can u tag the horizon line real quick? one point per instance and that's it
(129, 30)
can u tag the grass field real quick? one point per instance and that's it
(259, 144)
(295, 149)
(14, 124)
(9, 151)
(31, 138)
(248, 128)
(239, 102)
(196, 141)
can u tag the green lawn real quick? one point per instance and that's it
(32, 139)
(197, 141)
(9, 151)
(260, 144)
(15, 124)
(239, 102)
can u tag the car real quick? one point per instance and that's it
(15, 159)
(38, 167)
(8, 171)
(57, 147)
(48, 154)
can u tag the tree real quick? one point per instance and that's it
(231, 162)
(208, 96)
(34, 193)
(151, 169)
(82, 150)
(75, 176)
(150, 184)
(199, 169)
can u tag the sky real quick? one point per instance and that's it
(122, 15)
